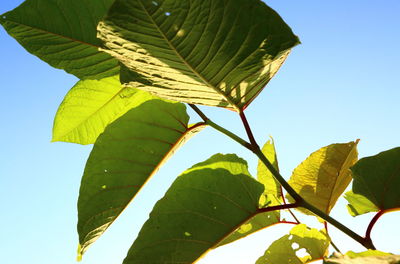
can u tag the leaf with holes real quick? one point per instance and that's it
(90, 106)
(367, 257)
(218, 53)
(272, 188)
(124, 157)
(202, 207)
(67, 40)
(302, 245)
(376, 184)
(324, 175)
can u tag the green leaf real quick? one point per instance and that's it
(272, 189)
(202, 207)
(90, 106)
(256, 223)
(367, 257)
(67, 40)
(218, 53)
(124, 157)
(376, 183)
(324, 175)
(288, 249)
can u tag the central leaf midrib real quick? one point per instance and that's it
(191, 68)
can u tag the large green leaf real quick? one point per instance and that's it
(218, 53)
(124, 157)
(272, 188)
(90, 106)
(376, 183)
(324, 175)
(288, 248)
(63, 34)
(367, 257)
(202, 207)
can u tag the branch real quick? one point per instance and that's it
(300, 202)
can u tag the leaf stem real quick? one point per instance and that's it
(248, 130)
(277, 207)
(372, 224)
(299, 201)
(327, 233)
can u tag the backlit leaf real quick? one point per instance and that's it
(376, 183)
(272, 190)
(367, 257)
(302, 245)
(63, 34)
(90, 106)
(202, 207)
(124, 157)
(218, 53)
(324, 175)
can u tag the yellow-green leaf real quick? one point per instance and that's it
(376, 183)
(218, 53)
(90, 106)
(272, 189)
(302, 245)
(367, 257)
(124, 157)
(324, 175)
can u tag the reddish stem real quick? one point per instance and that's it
(248, 130)
(372, 224)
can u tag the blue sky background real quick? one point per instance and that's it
(341, 84)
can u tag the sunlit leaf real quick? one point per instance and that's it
(367, 257)
(302, 245)
(124, 157)
(218, 53)
(256, 223)
(272, 190)
(202, 207)
(376, 183)
(324, 175)
(63, 34)
(90, 106)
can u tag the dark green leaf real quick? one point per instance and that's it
(63, 34)
(218, 53)
(202, 207)
(124, 157)
(288, 248)
(376, 183)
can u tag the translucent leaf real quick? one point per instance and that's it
(272, 190)
(324, 175)
(302, 245)
(202, 207)
(90, 106)
(124, 157)
(376, 183)
(67, 40)
(367, 257)
(218, 53)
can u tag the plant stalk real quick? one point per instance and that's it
(299, 201)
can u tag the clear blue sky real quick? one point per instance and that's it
(341, 84)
